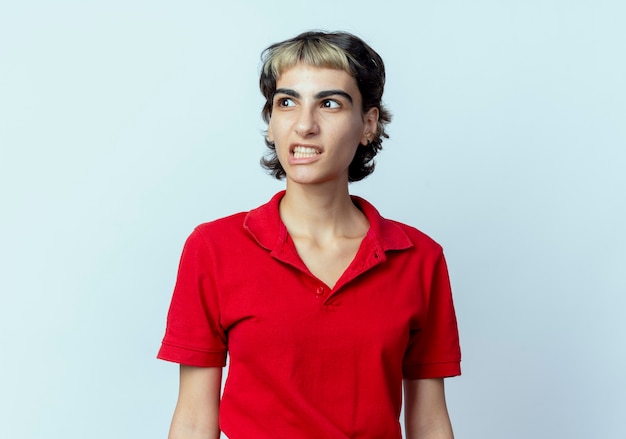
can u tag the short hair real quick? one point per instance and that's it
(335, 50)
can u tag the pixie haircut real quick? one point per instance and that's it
(335, 50)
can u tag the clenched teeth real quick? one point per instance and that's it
(301, 152)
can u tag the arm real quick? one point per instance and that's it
(197, 411)
(425, 410)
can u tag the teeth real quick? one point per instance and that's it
(300, 152)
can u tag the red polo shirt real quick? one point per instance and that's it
(307, 360)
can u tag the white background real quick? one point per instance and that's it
(123, 124)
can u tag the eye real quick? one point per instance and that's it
(330, 103)
(285, 102)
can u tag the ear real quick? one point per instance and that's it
(370, 121)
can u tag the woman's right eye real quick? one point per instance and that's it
(285, 102)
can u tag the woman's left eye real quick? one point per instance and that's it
(329, 103)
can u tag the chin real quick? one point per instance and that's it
(317, 179)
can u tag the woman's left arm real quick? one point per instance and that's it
(425, 410)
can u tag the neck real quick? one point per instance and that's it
(321, 212)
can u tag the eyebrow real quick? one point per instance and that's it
(321, 95)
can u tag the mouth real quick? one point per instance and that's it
(303, 152)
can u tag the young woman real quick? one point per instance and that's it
(324, 307)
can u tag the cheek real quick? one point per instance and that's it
(282, 149)
(355, 134)
(274, 130)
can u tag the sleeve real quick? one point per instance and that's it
(433, 350)
(193, 334)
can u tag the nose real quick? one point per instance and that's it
(306, 124)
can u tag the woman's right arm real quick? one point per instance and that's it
(197, 411)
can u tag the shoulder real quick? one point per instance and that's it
(420, 240)
(261, 224)
(212, 233)
(227, 224)
(395, 235)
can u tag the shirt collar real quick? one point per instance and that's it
(265, 225)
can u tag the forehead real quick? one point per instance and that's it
(302, 77)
